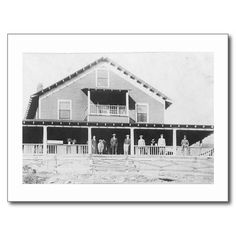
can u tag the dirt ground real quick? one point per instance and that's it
(118, 170)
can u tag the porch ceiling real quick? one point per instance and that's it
(38, 122)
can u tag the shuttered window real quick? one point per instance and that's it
(64, 111)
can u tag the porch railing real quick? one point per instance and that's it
(69, 149)
(170, 151)
(78, 149)
(153, 150)
(109, 110)
(59, 149)
(32, 149)
(194, 151)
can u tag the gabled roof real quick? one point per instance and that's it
(33, 102)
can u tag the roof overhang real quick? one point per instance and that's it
(105, 90)
(73, 123)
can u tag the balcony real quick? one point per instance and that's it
(108, 110)
(107, 105)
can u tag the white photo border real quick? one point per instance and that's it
(96, 43)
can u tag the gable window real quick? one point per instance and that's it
(64, 109)
(142, 112)
(102, 78)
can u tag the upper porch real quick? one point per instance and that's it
(108, 105)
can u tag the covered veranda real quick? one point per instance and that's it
(45, 137)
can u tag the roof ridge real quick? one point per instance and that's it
(102, 59)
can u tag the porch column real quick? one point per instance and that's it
(45, 137)
(132, 141)
(127, 104)
(174, 142)
(89, 96)
(89, 140)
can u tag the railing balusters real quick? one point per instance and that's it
(81, 149)
(60, 149)
(108, 109)
(168, 151)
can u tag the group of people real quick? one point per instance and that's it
(101, 147)
(161, 144)
(71, 141)
(159, 147)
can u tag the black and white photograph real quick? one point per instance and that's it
(118, 118)
(135, 116)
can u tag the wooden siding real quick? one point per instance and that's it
(48, 107)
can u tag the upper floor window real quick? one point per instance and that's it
(64, 109)
(142, 112)
(102, 78)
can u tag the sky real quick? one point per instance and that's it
(185, 77)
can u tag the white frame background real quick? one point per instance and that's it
(82, 43)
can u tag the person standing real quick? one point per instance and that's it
(100, 146)
(126, 145)
(152, 147)
(114, 144)
(141, 145)
(161, 145)
(94, 145)
(185, 146)
(105, 146)
(69, 142)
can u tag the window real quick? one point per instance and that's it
(142, 112)
(64, 109)
(102, 78)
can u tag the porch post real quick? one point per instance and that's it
(127, 104)
(45, 137)
(89, 140)
(89, 95)
(132, 141)
(174, 142)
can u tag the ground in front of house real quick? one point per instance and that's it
(118, 170)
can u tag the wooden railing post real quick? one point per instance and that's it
(174, 142)
(89, 95)
(45, 140)
(132, 141)
(127, 104)
(89, 140)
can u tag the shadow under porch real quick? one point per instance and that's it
(43, 140)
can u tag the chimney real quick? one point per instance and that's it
(39, 87)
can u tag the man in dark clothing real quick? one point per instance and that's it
(105, 146)
(114, 144)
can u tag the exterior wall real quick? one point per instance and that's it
(73, 92)
(49, 109)
(138, 96)
(122, 119)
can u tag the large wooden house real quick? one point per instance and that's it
(98, 100)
